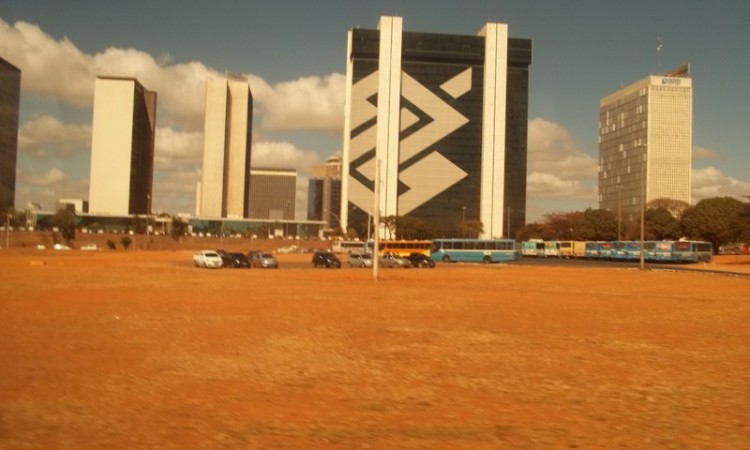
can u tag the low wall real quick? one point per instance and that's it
(31, 239)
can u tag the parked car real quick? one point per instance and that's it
(236, 260)
(360, 260)
(208, 259)
(394, 260)
(420, 260)
(326, 259)
(264, 260)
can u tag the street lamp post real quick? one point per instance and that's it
(619, 214)
(643, 204)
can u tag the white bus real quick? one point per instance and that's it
(347, 247)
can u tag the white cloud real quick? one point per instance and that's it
(49, 68)
(46, 137)
(557, 168)
(283, 155)
(47, 187)
(309, 103)
(711, 182)
(174, 147)
(50, 177)
(547, 185)
(703, 153)
(58, 69)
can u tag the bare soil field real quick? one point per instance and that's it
(141, 350)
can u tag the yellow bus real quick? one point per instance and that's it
(402, 247)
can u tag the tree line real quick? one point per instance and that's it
(719, 220)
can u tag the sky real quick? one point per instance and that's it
(294, 56)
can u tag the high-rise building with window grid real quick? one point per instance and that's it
(10, 95)
(645, 142)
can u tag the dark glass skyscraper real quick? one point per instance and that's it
(10, 95)
(445, 119)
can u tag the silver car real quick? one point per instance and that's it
(394, 260)
(360, 260)
(264, 260)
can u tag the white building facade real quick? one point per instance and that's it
(225, 180)
(645, 143)
(122, 147)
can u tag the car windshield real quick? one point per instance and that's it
(212, 254)
(266, 256)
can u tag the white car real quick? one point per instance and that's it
(208, 258)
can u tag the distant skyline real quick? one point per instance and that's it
(293, 54)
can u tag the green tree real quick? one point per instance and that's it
(409, 227)
(179, 228)
(598, 225)
(743, 223)
(65, 221)
(675, 207)
(390, 225)
(126, 241)
(471, 228)
(661, 225)
(714, 220)
(530, 231)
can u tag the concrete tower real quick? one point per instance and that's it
(225, 182)
(122, 147)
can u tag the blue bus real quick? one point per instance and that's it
(692, 251)
(599, 250)
(475, 250)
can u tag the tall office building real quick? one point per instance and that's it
(645, 142)
(10, 96)
(225, 183)
(324, 193)
(122, 147)
(273, 192)
(445, 119)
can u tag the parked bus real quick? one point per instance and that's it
(401, 247)
(534, 247)
(475, 250)
(551, 249)
(348, 247)
(598, 250)
(692, 251)
(572, 249)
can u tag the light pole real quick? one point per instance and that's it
(619, 214)
(7, 230)
(643, 202)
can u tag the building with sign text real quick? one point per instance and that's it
(645, 142)
(444, 117)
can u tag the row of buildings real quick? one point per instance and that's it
(441, 119)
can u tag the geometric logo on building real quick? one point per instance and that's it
(429, 173)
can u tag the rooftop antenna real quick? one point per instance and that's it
(659, 46)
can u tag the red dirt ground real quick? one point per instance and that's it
(126, 350)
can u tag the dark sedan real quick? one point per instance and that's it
(236, 260)
(420, 260)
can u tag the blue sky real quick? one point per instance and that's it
(294, 55)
